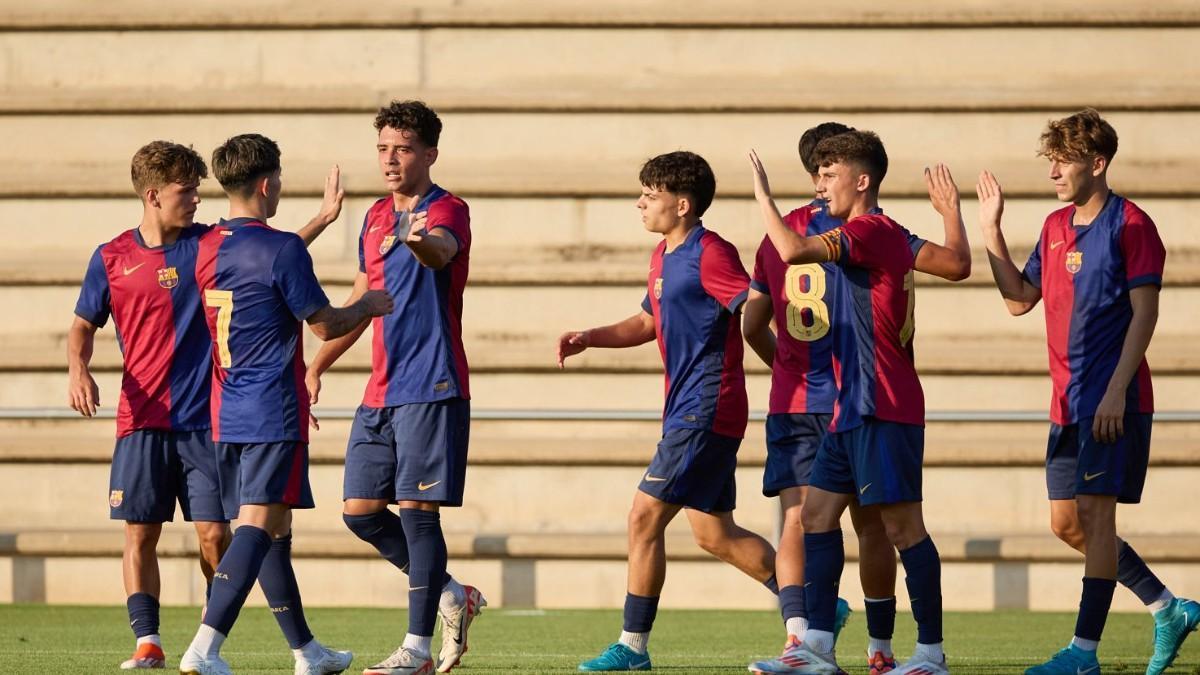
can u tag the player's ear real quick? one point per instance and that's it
(1099, 165)
(864, 182)
(263, 187)
(683, 204)
(150, 196)
(431, 155)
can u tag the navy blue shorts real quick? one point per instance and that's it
(1078, 464)
(792, 442)
(694, 468)
(264, 473)
(152, 469)
(412, 452)
(878, 462)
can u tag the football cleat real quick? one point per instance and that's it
(455, 623)
(147, 655)
(329, 663)
(880, 664)
(403, 661)
(840, 618)
(919, 665)
(1172, 624)
(616, 657)
(1068, 661)
(797, 659)
(192, 663)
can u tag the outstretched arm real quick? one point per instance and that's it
(636, 330)
(793, 248)
(756, 325)
(332, 350)
(331, 207)
(1019, 295)
(82, 393)
(328, 323)
(950, 260)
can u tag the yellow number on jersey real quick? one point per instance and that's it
(811, 298)
(223, 301)
(910, 323)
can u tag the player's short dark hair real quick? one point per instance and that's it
(160, 163)
(681, 172)
(863, 149)
(810, 139)
(242, 160)
(1079, 137)
(412, 116)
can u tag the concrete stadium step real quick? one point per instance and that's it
(83, 14)
(509, 328)
(718, 69)
(571, 570)
(540, 241)
(544, 154)
(598, 390)
(531, 498)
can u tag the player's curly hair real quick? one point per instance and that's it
(160, 163)
(681, 172)
(242, 160)
(413, 116)
(863, 149)
(810, 139)
(1078, 137)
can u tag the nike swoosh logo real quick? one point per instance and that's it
(1056, 244)
(417, 588)
(863, 489)
(131, 270)
(1089, 476)
(1085, 672)
(423, 487)
(636, 666)
(653, 479)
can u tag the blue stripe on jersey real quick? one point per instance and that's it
(191, 366)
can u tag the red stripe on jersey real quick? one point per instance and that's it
(1059, 300)
(206, 271)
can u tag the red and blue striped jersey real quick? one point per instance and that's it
(802, 379)
(694, 293)
(1085, 273)
(417, 353)
(152, 298)
(873, 323)
(258, 286)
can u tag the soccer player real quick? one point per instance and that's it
(1098, 265)
(144, 279)
(408, 443)
(695, 291)
(257, 285)
(803, 391)
(873, 451)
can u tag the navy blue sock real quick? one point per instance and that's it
(235, 577)
(1093, 607)
(143, 614)
(881, 618)
(1134, 574)
(639, 613)
(385, 531)
(824, 558)
(426, 568)
(772, 584)
(791, 602)
(278, 582)
(923, 576)
(207, 591)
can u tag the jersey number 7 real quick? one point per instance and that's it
(223, 302)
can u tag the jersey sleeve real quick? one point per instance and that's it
(292, 273)
(861, 242)
(362, 234)
(1143, 250)
(453, 216)
(915, 243)
(1032, 272)
(758, 281)
(723, 276)
(646, 306)
(95, 301)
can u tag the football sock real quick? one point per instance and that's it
(311, 651)
(418, 644)
(278, 582)
(819, 641)
(427, 567)
(923, 577)
(928, 652)
(635, 641)
(1093, 607)
(824, 558)
(207, 591)
(385, 531)
(882, 646)
(207, 641)
(152, 639)
(772, 585)
(235, 577)
(640, 611)
(1085, 645)
(1134, 574)
(1163, 601)
(796, 626)
(881, 620)
(453, 593)
(791, 603)
(143, 614)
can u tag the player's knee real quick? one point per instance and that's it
(1097, 518)
(364, 527)
(816, 520)
(212, 542)
(143, 539)
(713, 542)
(1067, 529)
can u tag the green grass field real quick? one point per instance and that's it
(51, 639)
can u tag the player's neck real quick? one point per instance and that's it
(1088, 208)
(154, 234)
(863, 206)
(401, 201)
(679, 234)
(254, 210)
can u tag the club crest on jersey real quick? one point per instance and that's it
(386, 245)
(115, 498)
(658, 288)
(1074, 261)
(168, 277)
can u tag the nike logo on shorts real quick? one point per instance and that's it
(653, 479)
(1090, 476)
(425, 486)
(863, 489)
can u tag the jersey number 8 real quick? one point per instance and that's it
(804, 287)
